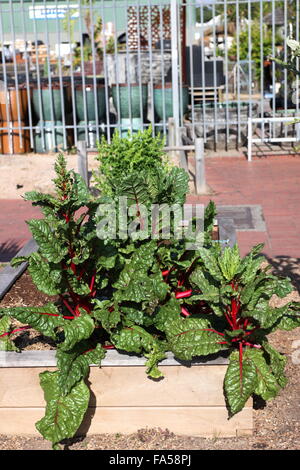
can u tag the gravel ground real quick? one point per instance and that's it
(276, 423)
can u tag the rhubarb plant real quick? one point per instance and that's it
(106, 292)
(71, 264)
(225, 305)
(143, 295)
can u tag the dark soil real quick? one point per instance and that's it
(276, 423)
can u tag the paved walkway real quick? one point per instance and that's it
(272, 182)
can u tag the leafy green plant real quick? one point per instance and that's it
(141, 153)
(226, 304)
(71, 264)
(145, 295)
(106, 294)
(256, 36)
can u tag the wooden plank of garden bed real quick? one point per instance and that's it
(208, 421)
(113, 358)
(9, 275)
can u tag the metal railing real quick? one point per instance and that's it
(75, 70)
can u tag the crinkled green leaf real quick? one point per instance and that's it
(134, 339)
(74, 365)
(167, 314)
(211, 263)
(41, 199)
(284, 287)
(76, 330)
(49, 243)
(238, 389)
(79, 286)
(151, 365)
(198, 279)
(267, 386)
(192, 337)
(289, 320)
(277, 363)
(5, 342)
(80, 190)
(106, 313)
(45, 319)
(64, 414)
(47, 278)
(266, 315)
(249, 269)
(17, 260)
(229, 262)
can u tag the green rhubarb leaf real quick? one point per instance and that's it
(277, 363)
(5, 342)
(45, 319)
(106, 313)
(167, 314)
(284, 287)
(17, 260)
(266, 316)
(76, 330)
(74, 365)
(49, 244)
(229, 262)
(46, 278)
(64, 414)
(135, 339)
(192, 337)
(266, 386)
(151, 365)
(239, 384)
(211, 263)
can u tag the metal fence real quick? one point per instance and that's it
(75, 70)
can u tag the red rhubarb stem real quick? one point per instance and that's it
(15, 331)
(241, 365)
(184, 294)
(66, 303)
(185, 312)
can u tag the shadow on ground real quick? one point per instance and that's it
(8, 250)
(286, 266)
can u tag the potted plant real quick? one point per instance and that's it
(163, 100)
(130, 101)
(86, 94)
(13, 117)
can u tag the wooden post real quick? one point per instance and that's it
(171, 136)
(200, 180)
(82, 161)
(182, 153)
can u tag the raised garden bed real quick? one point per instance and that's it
(188, 401)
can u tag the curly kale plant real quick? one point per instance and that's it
(141, 153)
